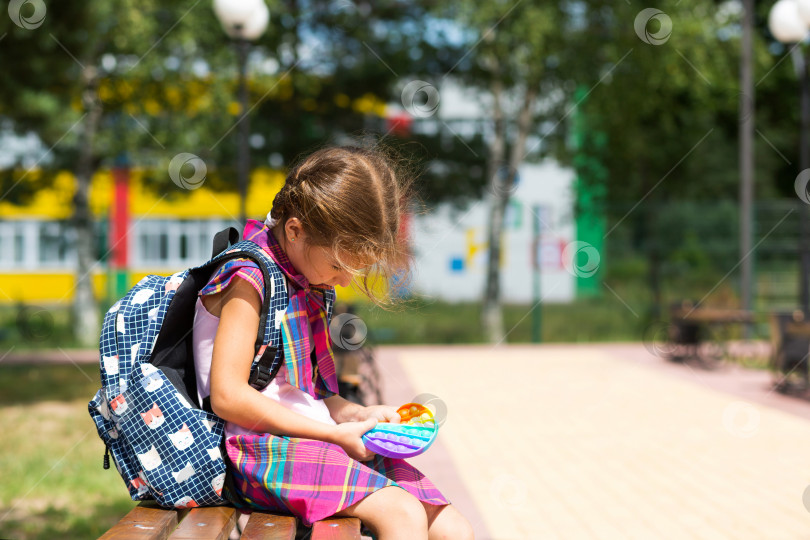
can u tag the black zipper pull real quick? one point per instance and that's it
(106, 457)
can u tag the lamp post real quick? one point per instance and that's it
(789, 22)
(244, 21)
(746, 157)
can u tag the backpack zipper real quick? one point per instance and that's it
(106, 456)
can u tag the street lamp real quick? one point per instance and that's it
(789, 22)
(244, 21)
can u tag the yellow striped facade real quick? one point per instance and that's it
(31, 278)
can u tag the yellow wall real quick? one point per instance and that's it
(57, 288)
(43, 287)
(203, 202)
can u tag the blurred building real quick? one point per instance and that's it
(450, 245)
(168, 229)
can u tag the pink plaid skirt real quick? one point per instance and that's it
(312, 479)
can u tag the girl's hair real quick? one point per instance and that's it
(351, 199)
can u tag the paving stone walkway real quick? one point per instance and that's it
(607, 441)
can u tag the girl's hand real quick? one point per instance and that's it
(381, 413)
(348, 436)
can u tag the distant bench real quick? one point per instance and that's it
(148, 521)
(690, 335)
(790, 346)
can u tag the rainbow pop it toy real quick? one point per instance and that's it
(410, 438)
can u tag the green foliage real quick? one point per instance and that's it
(656, 103)
(522, 36)
(696, 242)
(669, 112)
(166, 76)
(422, 321)
(137, 58)
(699, 238)
(639, 121)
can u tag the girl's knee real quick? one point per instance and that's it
(404, 508)
(462, 530)
(391, 512)
(411, 509)
(448, 523)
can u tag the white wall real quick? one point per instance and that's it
(451, 249)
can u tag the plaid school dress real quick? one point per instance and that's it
(309, 479)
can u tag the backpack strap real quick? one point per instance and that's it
(267, 348)
(224, 239)
(262, 372)
(275, 289)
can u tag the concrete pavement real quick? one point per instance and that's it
(607, 441)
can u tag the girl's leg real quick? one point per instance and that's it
(445, 523)
(392, 514)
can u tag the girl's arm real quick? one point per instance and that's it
(342, 410)
(234, 400)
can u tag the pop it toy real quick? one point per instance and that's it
(414, 435)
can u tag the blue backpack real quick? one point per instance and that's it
(165, 444)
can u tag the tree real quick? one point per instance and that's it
(510, 47)
(98, 80)
(664, 95)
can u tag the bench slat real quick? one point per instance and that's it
(206, 523)
(263, 526)
(336, 529)
(147, 521)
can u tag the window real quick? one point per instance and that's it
(173, 244)
(33, 244)
(52, 243)
(11, 244)
(152, 243)
(165, 245)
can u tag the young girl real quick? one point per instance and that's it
(296, 445)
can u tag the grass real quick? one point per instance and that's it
(415, 322)
(23, 384)
(623, 314)
(427, 322)
(53, 484)
(27, 327)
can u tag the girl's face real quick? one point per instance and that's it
(315, 263)
(320, 267)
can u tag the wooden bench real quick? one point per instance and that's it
(148, 521)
